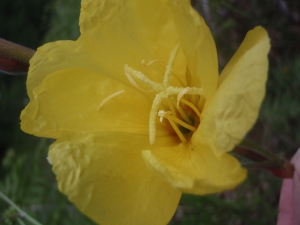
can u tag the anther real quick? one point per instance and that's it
(156, 61)
(162, 113)
(141, 77)
(164, 90)
(153, 113)
(132, 81)
(181, 94)
(168, 73)
(108, 98)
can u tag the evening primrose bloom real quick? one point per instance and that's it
(138, 109)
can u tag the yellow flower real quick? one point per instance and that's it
(139, 111)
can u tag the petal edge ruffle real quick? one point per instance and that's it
(109, 181)
(235, 106)
(69, 100)
(194, 169)
(198, 46)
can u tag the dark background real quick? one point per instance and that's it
(25, 175)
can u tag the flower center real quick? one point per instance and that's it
(184, 115)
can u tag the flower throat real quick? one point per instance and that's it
(183, 115)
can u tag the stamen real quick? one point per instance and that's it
(188, 90)
(175, 119)
(191, 90)
(108, 98)
(180, 110)
(192, 106)
(164, 90)
(171, 107)
(156, 61)
(168, 73)
(140, 76)
(194, 99)
(181, 94)
(162, 64)
(153, 113)
(132, 81)
(183, 115)
(148, 67)
(162, 113)
(174, 126)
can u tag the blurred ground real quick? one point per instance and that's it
(25, 175)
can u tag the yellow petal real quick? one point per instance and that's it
(69, 100)
(194, 168)
(145, 31)
(253, 50)
(119, 32)
(235, 107)
(60, 55)
(198, 46)
(105, 176)
(55, 56)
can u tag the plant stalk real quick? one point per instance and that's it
(12, 204)
(15, 51)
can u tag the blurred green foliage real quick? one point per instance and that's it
(281, 110)
(26, 176)
(25, 22)
(65, 22)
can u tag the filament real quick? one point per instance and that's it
(109, 98)
(192, 106)
(175, 119)
(180, 135)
